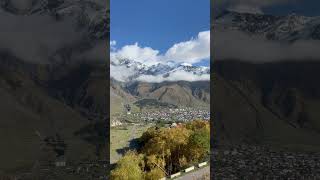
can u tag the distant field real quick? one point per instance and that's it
(120, 138)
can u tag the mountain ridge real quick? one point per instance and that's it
(137, 71)
(273, 102)
(289, 28)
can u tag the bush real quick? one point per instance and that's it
(155, 173)
(129, 167)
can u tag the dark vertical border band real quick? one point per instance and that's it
(107, 119)
(212, 129)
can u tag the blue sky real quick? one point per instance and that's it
(158, 24)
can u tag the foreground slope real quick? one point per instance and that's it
(41, 121)
(267, 103)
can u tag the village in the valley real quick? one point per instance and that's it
(166, 115)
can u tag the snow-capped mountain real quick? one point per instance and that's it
(130, 70)
(288, 28)
(68, 30)
(61, 7)
(88, 16)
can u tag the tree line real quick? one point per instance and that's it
(165, 151)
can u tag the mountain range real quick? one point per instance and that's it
(267, 102)
(176, 84)
(287, 28)
(182, 84)
(53, 103)
(126, 70)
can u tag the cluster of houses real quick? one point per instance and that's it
(252, 162)
(179, 114)
(115, 122)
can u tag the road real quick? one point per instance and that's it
(196, 174)
(133, 141)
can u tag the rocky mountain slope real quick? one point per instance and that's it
(180, 93)
(133, 81)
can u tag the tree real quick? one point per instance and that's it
(171, 149)
(198, 124)
(199, 145)
(199, 140)
(155, 173)
(167, 144)
(129, 167)
(154, 161)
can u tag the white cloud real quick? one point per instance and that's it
(97, 53)
(121, 73)
(191, 51)
(187, 52)
(144, 55)
(37, 37)
(175, 76)
(113, 43)
(230, 45)
(246, 9)
(250, 6)
(21, 5)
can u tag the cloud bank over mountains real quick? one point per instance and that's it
(191, 51)
(36, 37)
(250, 6)
(45, 34)
(145, 55)
(149, 65)
(230, 45)
(266, 38)
(175, 76)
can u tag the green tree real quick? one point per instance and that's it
(199, 145)
(199, 141)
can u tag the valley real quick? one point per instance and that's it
(139, 107)
(135, 108)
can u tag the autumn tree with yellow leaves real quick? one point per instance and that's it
(165, 151)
